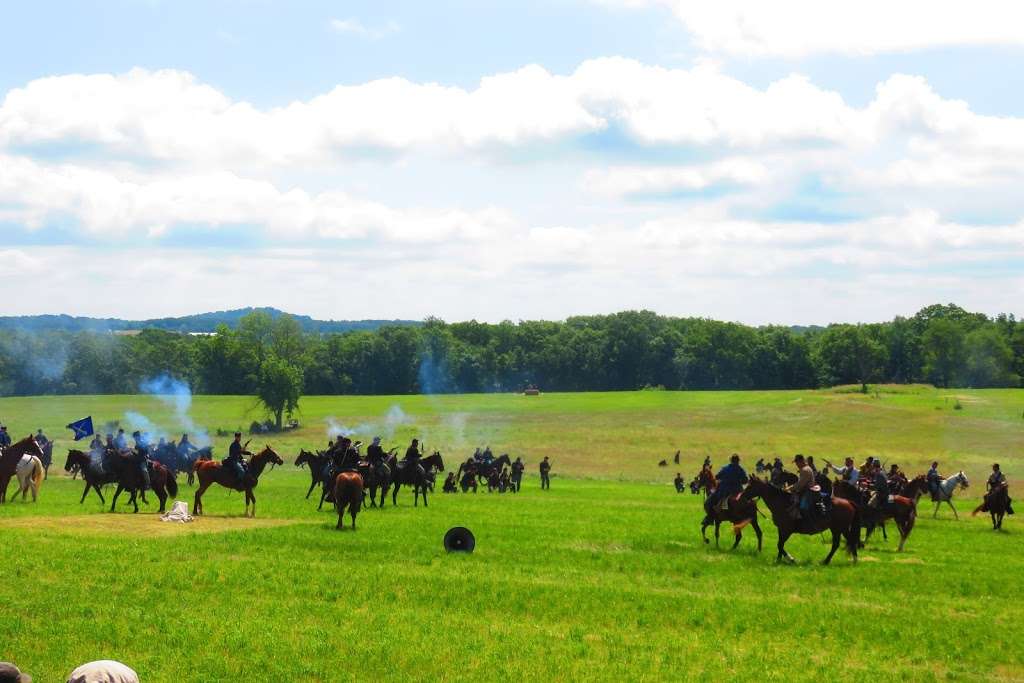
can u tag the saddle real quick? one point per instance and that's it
(724, 504)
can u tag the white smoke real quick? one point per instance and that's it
(385, 428)
(176, 394)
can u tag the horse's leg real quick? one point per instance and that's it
(783, 537)
(737, 539)
(323, 497)
(951, 507)
(757, 530)
(311, 487)
(394, 493)
(135, 500)
(116, 494)
(424, 495)
(86, 491)
(197, 505)
(836, 537)
(703, 531)
(936, 514)
(718, 524)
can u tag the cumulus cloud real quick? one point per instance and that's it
(796, 28)
(630, 181)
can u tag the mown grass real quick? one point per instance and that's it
(597, 579)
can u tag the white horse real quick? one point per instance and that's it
(946, 490)
(30, 476)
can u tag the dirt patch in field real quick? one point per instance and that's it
(138, 525)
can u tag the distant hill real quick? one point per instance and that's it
(200, 322)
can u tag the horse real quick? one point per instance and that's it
(997, 504)
(843, 520)
(377, 478)
(11, 456)
(316, 462)
(30, 476)
(129, 478)
(47, 458)
(946, 490)
(739, 513)
(211, 472)
(348, 493)
(188, 464)
(413, 476)
(485, 470)
(902, 510)
(94, 474)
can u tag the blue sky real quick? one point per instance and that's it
(498, 160)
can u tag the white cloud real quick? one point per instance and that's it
(356, 27)
(796, 28)
(627, 181)
(105, 203)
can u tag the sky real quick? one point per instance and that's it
(792, 162)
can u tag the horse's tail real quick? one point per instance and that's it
(37, 474)
(980, 508)
(172, 482)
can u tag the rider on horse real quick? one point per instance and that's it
(934, 480)
(235, 459)
(848, 472)
(802, 488)
(731, 480)
(880, 484)
(121, 442)
(141, 457)
(997, 480)
(185, 447)
(412, 454)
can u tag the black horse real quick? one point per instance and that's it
(317, 462)
(415, 476)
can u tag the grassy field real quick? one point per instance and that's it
(597, 579)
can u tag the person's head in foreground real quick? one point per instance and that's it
(12, 674)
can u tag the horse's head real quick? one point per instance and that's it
(304, 457)
(75, 459)
(755, 488)
(962, 479)
(269, 455)
(28, 446)
(436, 460)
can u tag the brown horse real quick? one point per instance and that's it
(902, 509)
(129, 478)
(348, 493)
(211, 472)
(842, 520)
(739, 513)
(11, 456)
(997, 504)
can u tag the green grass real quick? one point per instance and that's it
(598, 579)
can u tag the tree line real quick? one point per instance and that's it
(941, 344)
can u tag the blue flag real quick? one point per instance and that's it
(82, 428)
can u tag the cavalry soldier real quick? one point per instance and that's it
(235, 459)
(545, 473)
(897, 480)
(934, 479)
(5, 438)
(121, 442)
(776, 475)
(487, 457)
(881, 485)
(185, 447)
(802, 488)
(375, 452)
(412, 454)
(996, 480)
(731, 479)
(848, 472)
(814, 468)
(139, 457)
(517, 474)
(41, 439)
(96, 445)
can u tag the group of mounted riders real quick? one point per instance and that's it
(176, 456)
(497, 473)
(808, 495)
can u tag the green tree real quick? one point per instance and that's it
(849, 354)
(279, 387)
(943, 346)
(989, 359)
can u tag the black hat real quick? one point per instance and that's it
(237, 434)
(12, 674)
(459, 539)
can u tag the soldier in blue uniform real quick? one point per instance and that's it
(236, 459)
(731, 480)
